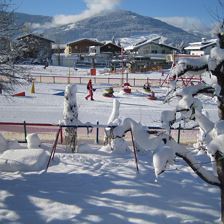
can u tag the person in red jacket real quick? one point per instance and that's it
(90, 90)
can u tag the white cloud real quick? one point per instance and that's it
(186, 23)
(93, 7)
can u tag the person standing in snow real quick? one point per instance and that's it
(90, 90)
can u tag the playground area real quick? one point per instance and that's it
(41, 102)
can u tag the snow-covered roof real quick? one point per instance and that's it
(142, 43)
(201, 45)
(35, 36)
(146, 42)
(83, 39)
(111, 43)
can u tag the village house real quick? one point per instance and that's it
(35, 48)
(149, 55)
(82, 46)
(111, 48)
(86, 53)
(76, 53)
(201, 48)
(57, 51)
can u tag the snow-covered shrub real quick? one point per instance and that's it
(33, 141)
(70, 115)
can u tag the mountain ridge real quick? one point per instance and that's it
(104, 26)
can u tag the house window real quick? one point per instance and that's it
(154, 51)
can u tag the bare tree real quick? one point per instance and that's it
(10, 74)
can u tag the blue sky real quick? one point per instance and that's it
(192, 8)
(200, 10)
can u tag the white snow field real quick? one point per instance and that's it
(95, 185)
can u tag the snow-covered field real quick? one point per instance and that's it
(95, 185)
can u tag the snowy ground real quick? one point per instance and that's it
(45, 107)
(97, 186)
(101, 187)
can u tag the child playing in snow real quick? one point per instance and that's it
(90, 90)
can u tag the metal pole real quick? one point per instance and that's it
(97, 132)
(61, 135)
(178, 136)
(53, 148)
(25, 131)
(135, 154)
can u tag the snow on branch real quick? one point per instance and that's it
(195, 165)
(216, 58)
(185, 65)
(163, 156)
(114, 117)
(164, 150)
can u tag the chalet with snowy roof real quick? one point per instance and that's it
(82, 46)
(111, 48)
(87, 53)
(201, 48)
(149, 54)
(151, 46)
(35, 47)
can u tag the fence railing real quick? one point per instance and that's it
(91, 133)
(97, 80)
(114, 81)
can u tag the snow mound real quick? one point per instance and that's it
(85, 148)
(5, 144)
(106, 148)
(119, 145)
(23, 160)
(13, 144)
(33, 141)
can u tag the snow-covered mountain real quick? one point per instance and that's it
(118, 24)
